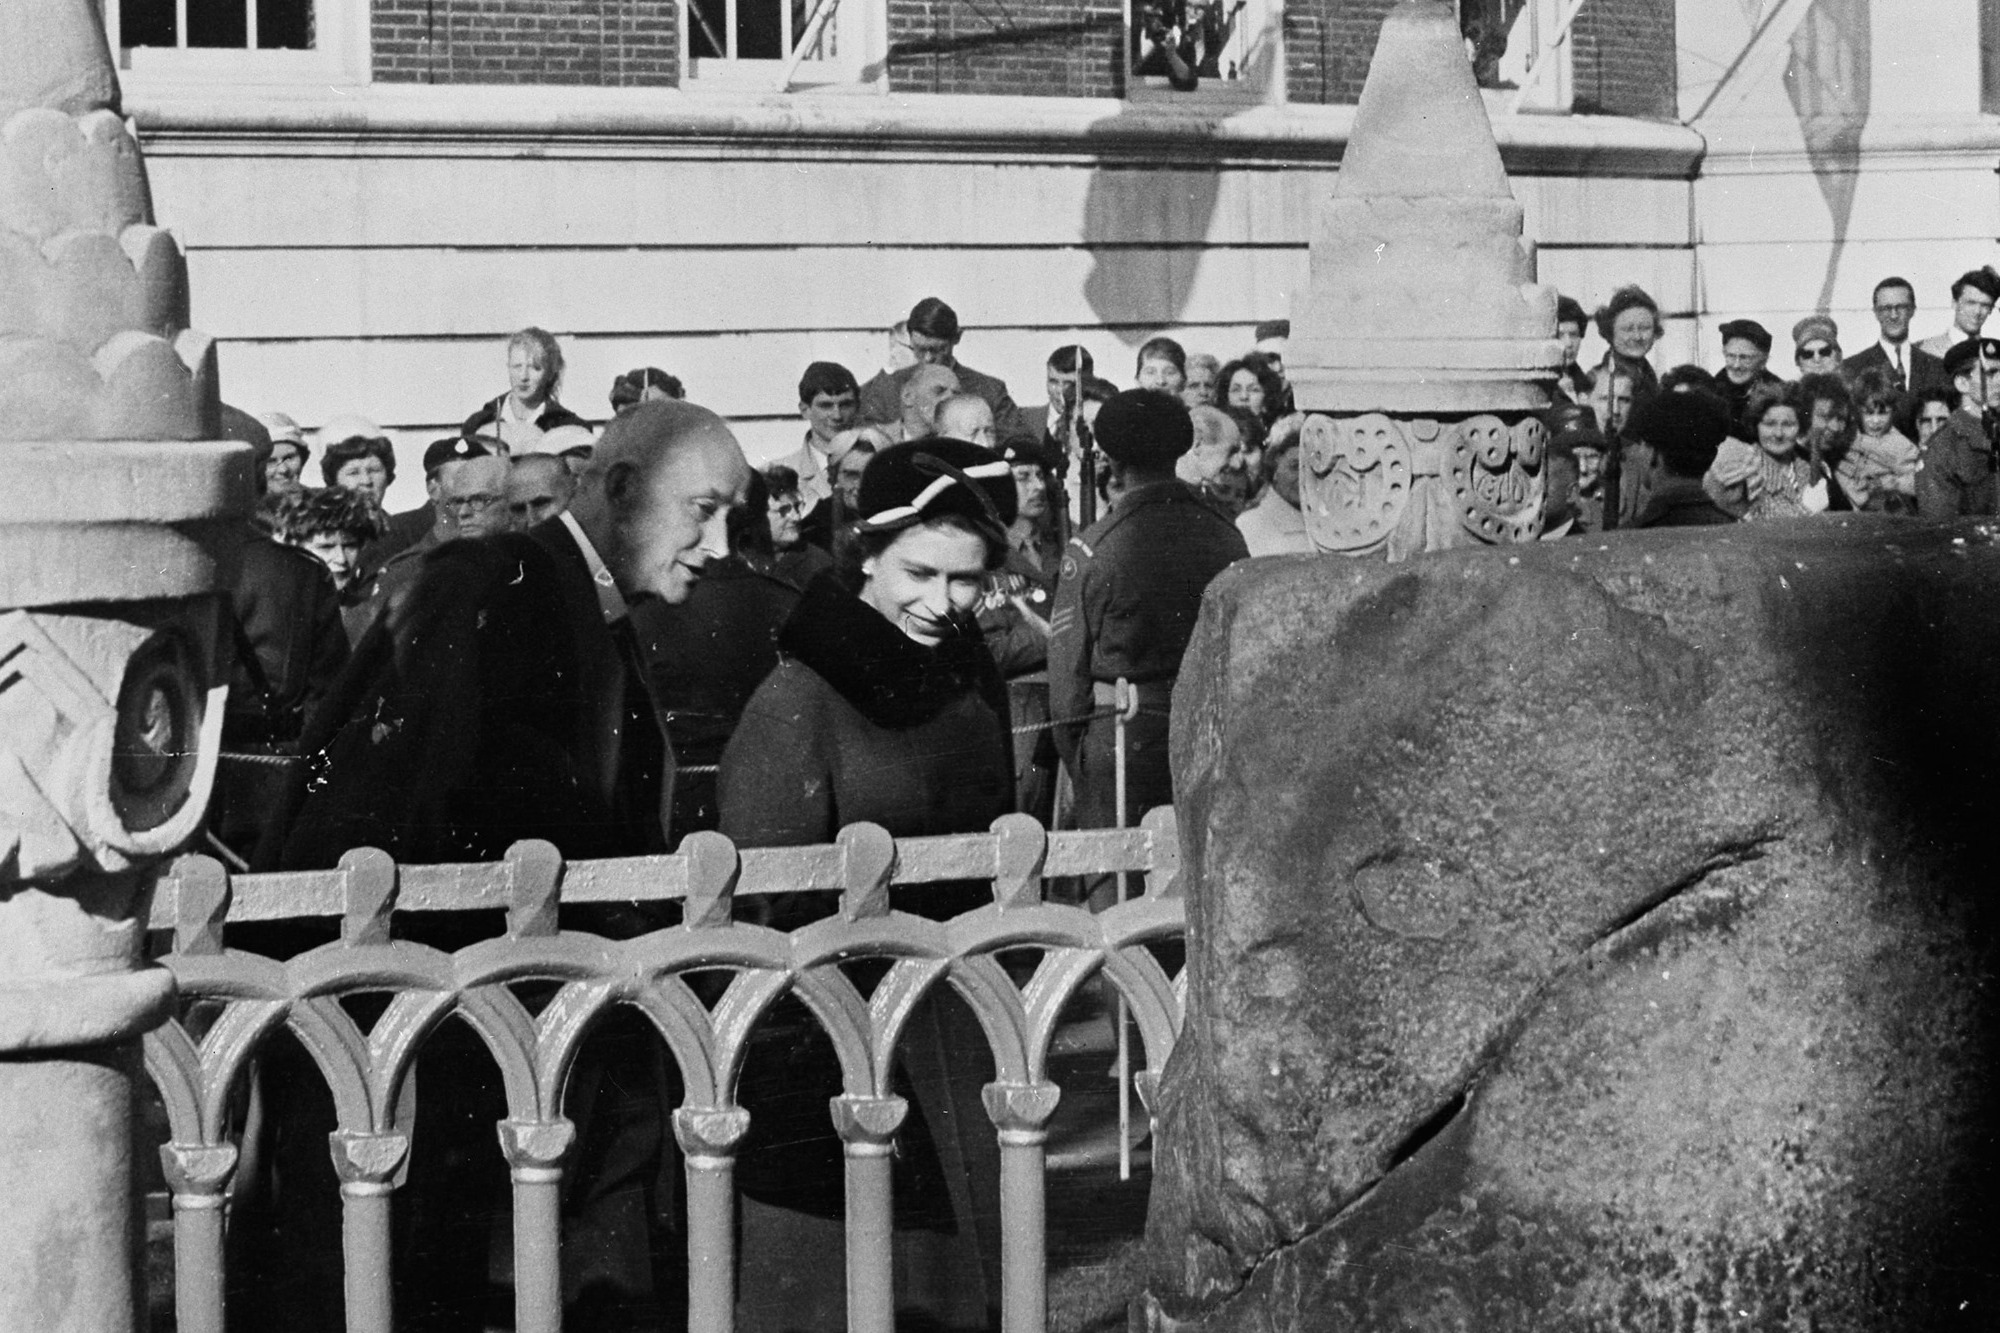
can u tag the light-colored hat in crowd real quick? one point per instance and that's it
(349, 426)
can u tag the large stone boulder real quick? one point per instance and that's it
(1590, 936)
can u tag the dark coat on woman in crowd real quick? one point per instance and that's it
(553, 414)
(289, 647)
(862, 723)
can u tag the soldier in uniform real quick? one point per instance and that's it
(1125, 606)
(1957, 476)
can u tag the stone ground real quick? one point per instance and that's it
(1095, 1220)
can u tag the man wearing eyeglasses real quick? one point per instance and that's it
(1972, 298)
(1816, 345)
(1893, 354)
(934, 335)
(467, 484)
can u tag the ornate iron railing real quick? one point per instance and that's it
(198, 899)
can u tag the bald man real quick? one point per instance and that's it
(923, 392)
(505, 698)
(472, 675)
(968, 417)
(539, 486)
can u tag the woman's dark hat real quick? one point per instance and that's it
(1144, 428)
(922, 481)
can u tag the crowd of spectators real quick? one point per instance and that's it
(940, 606)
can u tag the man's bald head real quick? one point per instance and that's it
(966, 416)
(654, 499)
(539, 487)
(926, 387)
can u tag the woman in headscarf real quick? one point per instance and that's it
(886, 707)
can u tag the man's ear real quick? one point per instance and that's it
(621, 484)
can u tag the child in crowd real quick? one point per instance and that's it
(1879, 471)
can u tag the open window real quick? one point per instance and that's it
(784, 45)
(253, 41)
(1522, 48)
(1226, 50)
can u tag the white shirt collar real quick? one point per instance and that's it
(609, 600)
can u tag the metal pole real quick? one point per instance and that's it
(364, 1237)
(1126, 699)
(871, 1279)
(538, 1249)
(1024, 1237)
(711, 1243)
(1086, 467)
(198, 1274)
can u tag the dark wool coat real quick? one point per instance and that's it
(862, 723)
(553, 414)
(483, 706)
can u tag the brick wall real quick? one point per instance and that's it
(596, 42)
(1622, 53)
(1050, 48)
(1622, 56)
(1327, 47)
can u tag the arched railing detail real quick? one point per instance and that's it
(248, 997)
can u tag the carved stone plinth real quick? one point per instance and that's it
(1404, 484)
(116, 530)
(1423, 346)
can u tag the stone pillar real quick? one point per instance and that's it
(115, 521)
(1423, 347)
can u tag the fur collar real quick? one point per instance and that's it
(887, 676)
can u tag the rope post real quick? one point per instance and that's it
(1126, 700)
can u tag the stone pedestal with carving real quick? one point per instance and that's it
(1423, 346)
(116, 524)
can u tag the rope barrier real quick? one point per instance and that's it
(1025, 729)
(243, 757)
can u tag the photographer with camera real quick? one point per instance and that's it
(1957, 476)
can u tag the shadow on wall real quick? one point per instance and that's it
(1828, 82)
(1132, 213)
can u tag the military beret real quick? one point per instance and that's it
(452, 449)
(1749, 330)
(920, 481)
(1959, 359)
(1144, 428)
(1681, 423)
(1815, 326)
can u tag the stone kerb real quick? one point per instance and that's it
(1589, 935)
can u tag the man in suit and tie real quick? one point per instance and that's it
(1972, 298)
(934, 335)
(1908, 366)
(506, 698)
